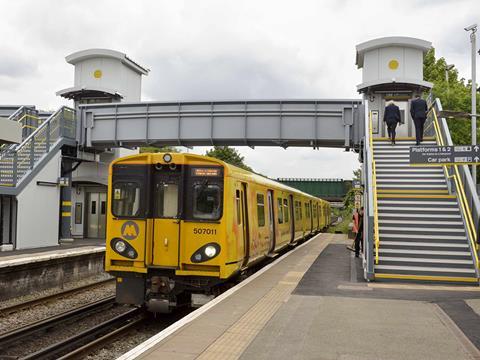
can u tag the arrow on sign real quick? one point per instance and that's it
(476, 148)
(476, 158)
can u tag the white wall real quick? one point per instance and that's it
(38, 209)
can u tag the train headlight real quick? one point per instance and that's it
(167, 158)
(205, 253)
(120, 246)
(210, 251)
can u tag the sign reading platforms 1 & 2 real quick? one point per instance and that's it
(444, 155)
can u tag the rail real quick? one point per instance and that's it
(376, 235)
(461, 194)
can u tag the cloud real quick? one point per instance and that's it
(225, 49)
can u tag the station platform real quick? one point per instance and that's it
(78, 246)
(312, 303)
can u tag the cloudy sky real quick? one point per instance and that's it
(225, 49)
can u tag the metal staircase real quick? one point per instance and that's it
(19, 162)
(422, 235)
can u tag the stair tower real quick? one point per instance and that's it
(419, 219)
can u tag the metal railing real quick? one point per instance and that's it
(17, 161)
(376, 235)
(462, 179)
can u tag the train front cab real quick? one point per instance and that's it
(165, 224)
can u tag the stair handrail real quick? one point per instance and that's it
(376, 235)
(45, 123)
(464, 206)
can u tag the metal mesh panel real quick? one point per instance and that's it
(17, 162)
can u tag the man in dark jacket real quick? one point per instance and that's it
(418, 110)
(392, 117)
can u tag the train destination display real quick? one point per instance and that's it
(444, 155)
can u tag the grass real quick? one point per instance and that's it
(342, 227)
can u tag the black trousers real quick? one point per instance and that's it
(359, 241)
(391, 126)
(419, 123)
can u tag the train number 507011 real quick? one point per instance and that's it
(199, 231)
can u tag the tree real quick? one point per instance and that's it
(155, 149)
(455, 94)
(229, 155)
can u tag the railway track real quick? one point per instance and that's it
(90, 339)
(28, 304)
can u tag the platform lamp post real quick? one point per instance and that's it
(473, 40)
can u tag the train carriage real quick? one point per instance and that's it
(180, 225)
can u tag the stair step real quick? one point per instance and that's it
(421, 229)
(401, 209)
(382, 250)
(409, 175)
(422, 222)
(424, 268)
(434, 278)
(439, 202)
(425, 260)
(421, 236)
(416, 216)
(412, 186)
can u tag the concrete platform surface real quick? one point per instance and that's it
(313, 304)
(79, 247)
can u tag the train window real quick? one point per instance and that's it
(314, 211)
(237, 200)
(285, 210)
(297, 212)
(280, 211)
(78, 213)
(126, 199)
(166, 200)
(261, 210)
(207, 201)
(307, 210)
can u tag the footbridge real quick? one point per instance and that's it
(285, 123)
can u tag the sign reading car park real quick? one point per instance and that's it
(444, 155)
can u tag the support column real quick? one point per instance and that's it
(65, 233)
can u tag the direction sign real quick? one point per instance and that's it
(444, 155)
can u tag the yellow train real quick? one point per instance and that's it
(180, 225)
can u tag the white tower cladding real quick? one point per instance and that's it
(392, 69)
(103, 75)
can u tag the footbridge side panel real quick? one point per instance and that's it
(312, 123)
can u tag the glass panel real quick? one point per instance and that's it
(237, 199)
(93, 209)
(207, 201)
(103, 206)
(126, 199)
(280, 211)
(285, 210)
(78, 213)
(261, 210)
(166, 200)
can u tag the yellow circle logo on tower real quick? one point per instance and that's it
(393, 64)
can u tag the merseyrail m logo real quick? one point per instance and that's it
(130, 230)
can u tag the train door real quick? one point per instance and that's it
(96, 214)
(271, 218)
(244, 222)
(166, 222)
(292, 218)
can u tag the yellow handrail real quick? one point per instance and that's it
(376, 235)
(462, 197)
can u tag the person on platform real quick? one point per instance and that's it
(359, 236)
(391, 117)
(355, 225)
(418, 110)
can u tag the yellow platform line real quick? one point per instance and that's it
(426, 278)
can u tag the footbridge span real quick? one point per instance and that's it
(285, 123)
